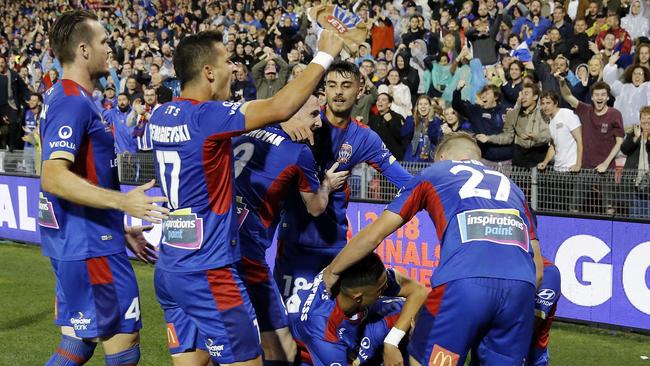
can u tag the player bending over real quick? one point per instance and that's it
(489, 259)
(205, 303)
(268, 166)
(327, 328)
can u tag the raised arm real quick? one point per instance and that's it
(291, 97)
(566, 93)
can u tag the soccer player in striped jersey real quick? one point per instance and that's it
(80, 206)
(205, 303)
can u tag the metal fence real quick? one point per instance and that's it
(612, 194)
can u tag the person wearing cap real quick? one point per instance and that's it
(364, 53)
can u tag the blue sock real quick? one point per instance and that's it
(130, 357)
(72, 352)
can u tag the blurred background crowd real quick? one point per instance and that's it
(543, 84)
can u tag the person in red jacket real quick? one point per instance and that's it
(623, 40)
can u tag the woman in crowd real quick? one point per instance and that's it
(512, 87)
(400, 93)
(632, 94)
(422, 131)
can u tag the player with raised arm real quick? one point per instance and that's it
(268, 165)
(207, 309)
(307, 244)
(82, 226)
(328, 328)
(489, 266)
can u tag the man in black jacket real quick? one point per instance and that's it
(13, 97)
(388, 125)
(163, 93)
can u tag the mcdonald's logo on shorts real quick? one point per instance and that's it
(443, 357)
(172, 338)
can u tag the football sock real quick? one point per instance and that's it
(72, 352)
(130, 357)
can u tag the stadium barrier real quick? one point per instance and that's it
(586, 194)
(603, 262)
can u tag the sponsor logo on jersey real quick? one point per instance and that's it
(545, 297)
(215, 350)
(501, 226)
(443, 357)
(65, 132)
(172, 337)
(80, 322)
(345, 153)
(365, 343)
(182, 229)
(342, 20)
(46, 216)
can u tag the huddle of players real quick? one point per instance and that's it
(223, 305)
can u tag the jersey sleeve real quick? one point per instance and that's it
(572, 121)
(223, 119)
(64, 129)
(308, 179)
(378, 156)
(411, 198)
(549, 292)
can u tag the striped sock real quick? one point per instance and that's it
(72, 352)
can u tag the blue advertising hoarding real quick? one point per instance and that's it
(605, 265)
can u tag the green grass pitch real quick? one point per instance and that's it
(28, 335)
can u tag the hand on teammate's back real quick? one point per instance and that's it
(138, 204)
(335, 180)
(330, 43)
(139, 245)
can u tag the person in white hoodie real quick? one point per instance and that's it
(636, 23)
(632, 94)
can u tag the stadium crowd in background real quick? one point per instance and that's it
(429, 67)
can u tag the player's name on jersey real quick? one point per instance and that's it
(170, 134)
(266, 136)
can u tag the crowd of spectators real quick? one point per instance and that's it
(541, 83)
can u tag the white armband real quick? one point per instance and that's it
(394, 336)
(323, 59)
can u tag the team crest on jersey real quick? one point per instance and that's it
(345, 153)
(183, 230)
(46, 216)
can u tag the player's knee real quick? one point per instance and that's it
(72, 351)
(130, 356)
(413, 361)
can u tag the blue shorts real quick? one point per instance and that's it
(97, 297)
(297, 265)
(541, 358)
(208, 310)
(492, 317)
(264, 294)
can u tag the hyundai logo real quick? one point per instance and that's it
(546, 294)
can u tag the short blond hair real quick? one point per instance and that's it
(460, 145)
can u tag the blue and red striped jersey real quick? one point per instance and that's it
(481, 218)
(324, 333)
(72, 129)
(194, 165)
(352, 145)
(268, 165)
